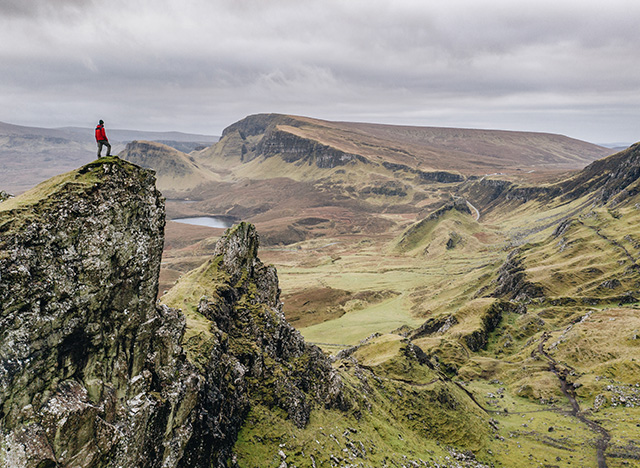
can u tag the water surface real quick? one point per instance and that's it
(209, 221)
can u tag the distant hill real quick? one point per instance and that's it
(29, 155)
(466, 151)
(175, 170)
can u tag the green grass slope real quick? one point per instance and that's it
(512, 332)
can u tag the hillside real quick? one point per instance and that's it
(298, 178)
(523, 289)
(441, 318)
(428, 149)
(81, 254)
(499, 331)
(176, 172)
(226, 381)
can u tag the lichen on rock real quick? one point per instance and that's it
(253, 356)
(91, 371)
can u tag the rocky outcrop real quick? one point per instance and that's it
(490, 319)
(512, 281)
(433, 325)
(93, 372)
(265, 135)
(254, 125)
(293, 148)
(611, 179)
(608, 178)
(489, 193)
(416, 233)
(253, 355)
(390, 188)
(442, 177)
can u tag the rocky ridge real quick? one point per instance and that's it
(250, 352)
(92, 370)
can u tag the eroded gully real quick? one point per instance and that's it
(567, 389)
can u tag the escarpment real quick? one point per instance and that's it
(614, 177)
(293, 148)
(95, 373)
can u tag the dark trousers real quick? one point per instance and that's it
(102, 143)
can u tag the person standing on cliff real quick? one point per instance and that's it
(102, 140)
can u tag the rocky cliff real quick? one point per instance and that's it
(92, 370)
(246, 351)
(91, 373)
(607, 178)
(293, 148)
(266, 135)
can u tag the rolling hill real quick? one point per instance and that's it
(478, 319)
(176, 172)
(524, 292)
(521, 286)
(281, 171)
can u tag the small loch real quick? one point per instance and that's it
(209, 221)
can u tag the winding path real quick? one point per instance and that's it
(604, 437)
(474, 209)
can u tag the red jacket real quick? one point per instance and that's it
(101, 135)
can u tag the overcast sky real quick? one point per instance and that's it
(560, 66)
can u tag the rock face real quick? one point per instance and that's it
(293, 148)
(607, 178)
(272, 141)
(92, 372)
(512, 282)
(443, 177)
(90, 369)
(252, 353)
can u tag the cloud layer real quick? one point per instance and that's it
(563, 66)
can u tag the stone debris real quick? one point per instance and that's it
(624, 395)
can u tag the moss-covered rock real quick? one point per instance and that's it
(91, 371)
(249, 354)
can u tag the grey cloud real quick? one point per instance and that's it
(496, 61)
(34, 8)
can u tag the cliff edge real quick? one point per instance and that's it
(92, 369)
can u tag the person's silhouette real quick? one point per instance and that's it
(102, 140)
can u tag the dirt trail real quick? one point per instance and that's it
(603, 435)
(474, 209)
